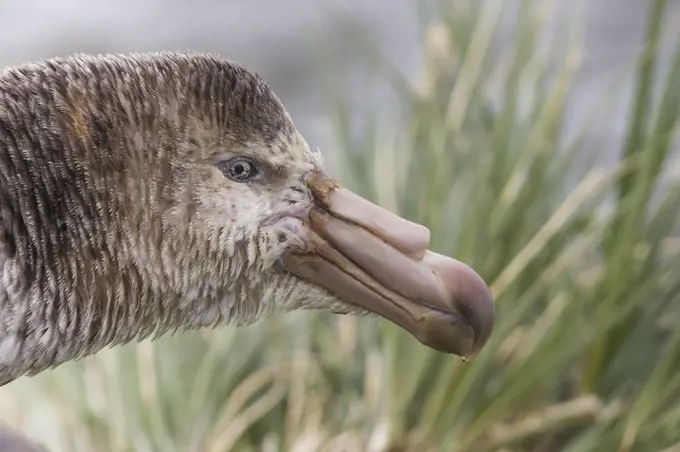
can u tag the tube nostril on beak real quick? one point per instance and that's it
(441, 301)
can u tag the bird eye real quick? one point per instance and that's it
(238, 169)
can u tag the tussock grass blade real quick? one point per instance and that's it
(656, 390)
(643, 96)
(634, 200)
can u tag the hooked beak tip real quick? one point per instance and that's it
(466, 326)
(379, 261)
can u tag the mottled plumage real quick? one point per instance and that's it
(108, 191)
(119, 220)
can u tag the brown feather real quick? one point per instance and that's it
(114, 221)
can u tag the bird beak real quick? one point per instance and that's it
(378, 261)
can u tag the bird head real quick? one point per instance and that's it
(144, 193)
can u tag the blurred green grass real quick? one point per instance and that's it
(583, 261)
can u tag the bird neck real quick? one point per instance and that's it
(111, 294)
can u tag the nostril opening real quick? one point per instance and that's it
(281, 237)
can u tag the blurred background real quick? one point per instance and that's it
(537, 141)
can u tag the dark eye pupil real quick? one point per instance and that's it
(241, 170)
